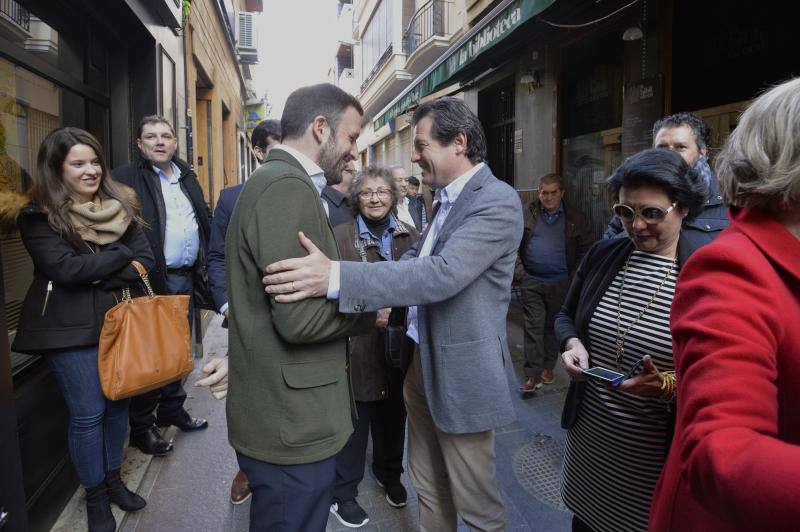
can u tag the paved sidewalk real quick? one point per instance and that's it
(189, 490)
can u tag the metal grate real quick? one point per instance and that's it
(537, 467)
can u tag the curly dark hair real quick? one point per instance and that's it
(697, 125)
(666, 170)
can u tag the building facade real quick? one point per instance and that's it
(574, 87)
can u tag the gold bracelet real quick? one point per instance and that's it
(668, 386)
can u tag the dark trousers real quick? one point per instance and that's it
(540, 304)
(579, 526)
(168, 399)
(386, 420)
(288, 498)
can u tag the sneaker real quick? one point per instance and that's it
(547, 376)
(349, 513)
(396, 494)
(530, 386)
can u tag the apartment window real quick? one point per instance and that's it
(377, 38)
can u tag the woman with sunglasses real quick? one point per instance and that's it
(375, 235)
(616, 316)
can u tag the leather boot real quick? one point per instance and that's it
(98, 510)
(120, 495)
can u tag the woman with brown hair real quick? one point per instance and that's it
(82, 231)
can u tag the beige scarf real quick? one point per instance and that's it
(100, 221)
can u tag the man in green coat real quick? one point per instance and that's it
(289, 405)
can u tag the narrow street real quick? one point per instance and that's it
(189, 490)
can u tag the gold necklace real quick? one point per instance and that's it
(621, 336)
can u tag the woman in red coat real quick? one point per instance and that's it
(734, 463)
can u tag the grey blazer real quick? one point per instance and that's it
(462, 290)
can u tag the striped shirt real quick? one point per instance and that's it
(616, 449)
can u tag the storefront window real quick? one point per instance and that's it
(29, 110)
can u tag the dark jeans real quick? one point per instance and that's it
(170, 398)
(386, 420)
(289, 498)
(540, 304)
(580, 526)
(96, 434)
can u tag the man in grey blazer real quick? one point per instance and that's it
(456, 281)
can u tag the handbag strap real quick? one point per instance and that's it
(145, 280)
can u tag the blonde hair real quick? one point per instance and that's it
(759, 166)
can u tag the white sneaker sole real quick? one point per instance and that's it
(391, 503)
(236, 503)
(347, 523)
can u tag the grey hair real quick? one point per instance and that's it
(759, 166)
(372, 172)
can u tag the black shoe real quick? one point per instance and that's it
(120, 495)
(350, 514)
(395, 493)
(151, 442)
(184, 421)
(98, 510)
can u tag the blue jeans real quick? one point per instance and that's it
(96, 425)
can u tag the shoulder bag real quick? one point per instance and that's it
(144, 343)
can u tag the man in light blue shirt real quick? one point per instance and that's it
(174, 207)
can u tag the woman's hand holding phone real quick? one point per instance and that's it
(647, 383)
(575, 359)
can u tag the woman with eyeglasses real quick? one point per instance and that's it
(375, 235)
(615, 323)
(734, 464)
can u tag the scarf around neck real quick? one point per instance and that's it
(100, 221)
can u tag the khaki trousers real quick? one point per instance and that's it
(453, 474)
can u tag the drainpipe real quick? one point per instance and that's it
(186, 6)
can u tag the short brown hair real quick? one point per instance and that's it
(152, 119)
(549, 179)
(759, 166)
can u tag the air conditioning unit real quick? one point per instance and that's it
(246, 32)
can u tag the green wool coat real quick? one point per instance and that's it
(289, 399)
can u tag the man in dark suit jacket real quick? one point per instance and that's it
(335, 196)
(266, 135)
(178, 232)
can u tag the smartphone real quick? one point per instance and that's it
(635, 369)
(605, 375)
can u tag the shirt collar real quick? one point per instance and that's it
(560, 209)
(450, 193)
(176, 173)
(311, 168)
(364, 231)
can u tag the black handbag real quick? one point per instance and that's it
(397, 347)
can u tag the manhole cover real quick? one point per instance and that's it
(537, 467)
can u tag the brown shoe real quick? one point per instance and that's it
(547, 376)
(530, 386)
(240, 489)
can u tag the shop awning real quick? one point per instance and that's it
(504, 19)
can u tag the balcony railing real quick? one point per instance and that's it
(372, 73)
(16, 13)
(429, 21)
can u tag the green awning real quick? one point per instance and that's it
(497, 26)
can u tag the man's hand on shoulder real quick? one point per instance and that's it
(299, 278)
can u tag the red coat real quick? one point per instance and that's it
(734, 463)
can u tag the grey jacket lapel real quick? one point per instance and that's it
(463, 203)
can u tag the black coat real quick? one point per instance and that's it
(140, 176)
(73, 285)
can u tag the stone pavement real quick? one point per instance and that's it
(189, 490)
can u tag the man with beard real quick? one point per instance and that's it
(289, 402)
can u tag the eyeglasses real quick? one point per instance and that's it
(650, 214)
(382, 193)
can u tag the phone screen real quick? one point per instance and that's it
(603, 373)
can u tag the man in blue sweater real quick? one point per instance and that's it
(554, 239)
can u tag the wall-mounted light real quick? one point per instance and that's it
(531, 80)
(634, 33)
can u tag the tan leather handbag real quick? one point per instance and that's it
(144, 343)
